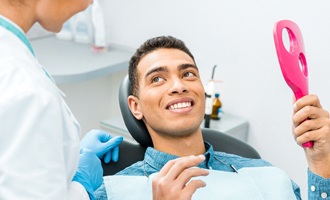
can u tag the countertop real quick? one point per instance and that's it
(70, 62)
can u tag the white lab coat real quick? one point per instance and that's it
(39, 136)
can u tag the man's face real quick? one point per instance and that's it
(171, 95)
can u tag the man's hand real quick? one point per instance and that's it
(316, 129)
(174, 179)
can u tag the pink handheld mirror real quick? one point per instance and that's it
(292, 59)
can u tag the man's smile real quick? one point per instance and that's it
(180, 104)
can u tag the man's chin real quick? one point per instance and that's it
(182, 131)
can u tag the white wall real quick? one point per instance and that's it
(237, 36)
(94, 100)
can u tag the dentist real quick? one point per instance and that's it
(40, 155)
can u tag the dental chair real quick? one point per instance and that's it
(130, 153)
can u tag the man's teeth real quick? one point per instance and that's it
(180, 105)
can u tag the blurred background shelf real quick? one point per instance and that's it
(71, 62)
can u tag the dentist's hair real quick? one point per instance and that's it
(161, 42)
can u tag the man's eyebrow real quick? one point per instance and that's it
(164, 68)
(185, 66)
(156, 69)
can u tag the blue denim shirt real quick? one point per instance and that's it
(154, 160)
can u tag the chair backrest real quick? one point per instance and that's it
(135, 127)
(130, 153)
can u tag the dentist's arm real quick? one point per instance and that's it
(171, 182)
(95, 146)
(89, 173)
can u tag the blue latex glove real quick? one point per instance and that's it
(89, 172)
(101, 143)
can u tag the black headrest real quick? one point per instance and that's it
(136, 127)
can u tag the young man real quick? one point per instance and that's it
(169, 97)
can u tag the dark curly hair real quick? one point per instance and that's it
(147, 47)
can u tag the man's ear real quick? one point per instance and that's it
(134, 106)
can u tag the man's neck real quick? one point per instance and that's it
(180, 146)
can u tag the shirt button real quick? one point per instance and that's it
(324, 195)
(313, 188)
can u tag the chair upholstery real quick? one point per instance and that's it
(129, 152)
(135, 127)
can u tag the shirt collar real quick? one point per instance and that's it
(158, 159)
(17, 31)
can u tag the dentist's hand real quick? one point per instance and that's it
(172, 180)
(89, 173)
(102, 144)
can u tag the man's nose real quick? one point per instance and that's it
(178, 86)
